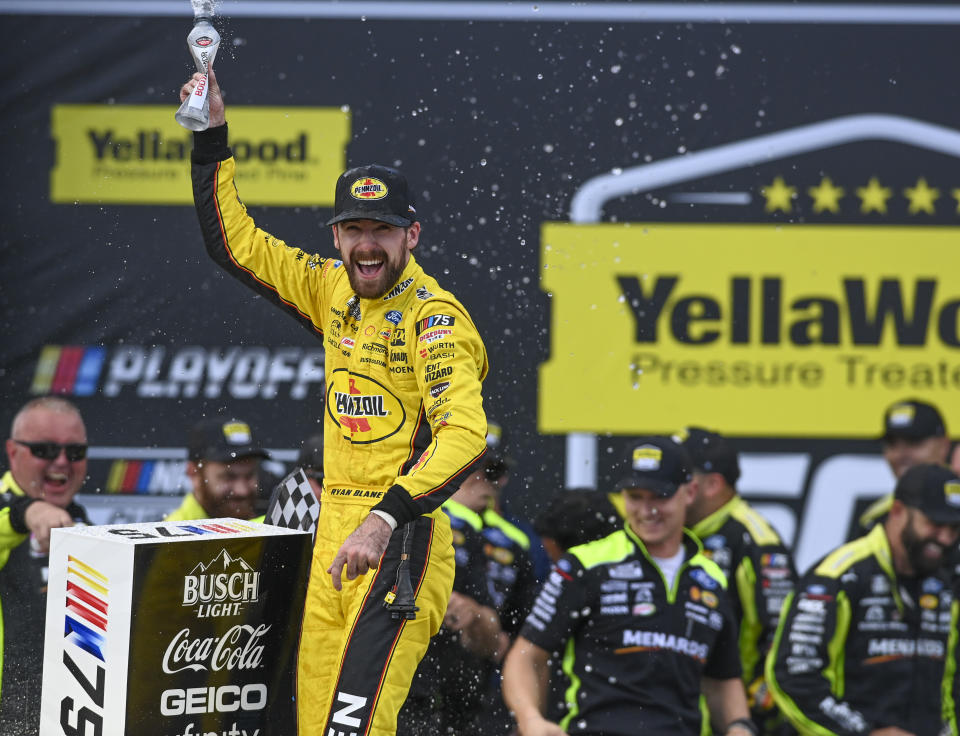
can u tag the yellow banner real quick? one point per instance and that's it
(759, 330)
(137, 154)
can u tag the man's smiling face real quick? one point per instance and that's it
(374, 253)
(56, 480)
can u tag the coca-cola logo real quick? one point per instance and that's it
(238, 649)
(204, 41)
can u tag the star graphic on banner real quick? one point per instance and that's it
(873, 197)
(921, 197)
(778, 195)
(826, 196)
(956, 196)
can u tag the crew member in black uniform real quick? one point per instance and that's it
(447, 691)
(861, 645)
(642, 620)
(47, 451)
(913, 433)
(750, 553)
(509, 566)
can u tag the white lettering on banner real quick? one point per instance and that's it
(241, 586)
(234, 731)
(242, 373)
(237, 649)
(836, 485)
(225, 699)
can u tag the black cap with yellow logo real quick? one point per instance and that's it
(913, 420)
(656, 464)
(222, 440)
(373, 192)
(934, 489)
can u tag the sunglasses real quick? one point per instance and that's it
(51, 450)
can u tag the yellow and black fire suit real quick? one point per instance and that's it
(860, 648)
(403, 425)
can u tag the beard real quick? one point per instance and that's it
(389, 275)
(914, 545)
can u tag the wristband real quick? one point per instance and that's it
(387, 518)
(746, 724)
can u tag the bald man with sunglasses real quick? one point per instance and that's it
(47, 451)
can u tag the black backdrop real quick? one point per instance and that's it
(497, 122)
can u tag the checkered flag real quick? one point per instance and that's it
(293, 504)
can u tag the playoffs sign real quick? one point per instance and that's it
(173, 628)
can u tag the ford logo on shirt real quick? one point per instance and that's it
(702, 577)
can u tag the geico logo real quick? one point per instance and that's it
(238, 586)
(237, 649)
(854, 317)
(154, 145)
(244, 373)
(223, 699)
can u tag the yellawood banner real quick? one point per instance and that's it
(137, 154)
(794, 330)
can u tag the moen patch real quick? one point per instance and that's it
(365, 410)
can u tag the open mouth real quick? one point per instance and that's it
(55, 481)
(369, 266)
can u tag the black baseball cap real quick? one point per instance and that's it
(933, 489)
(913, 420)
(710, 452)
(657, 464)
(311, 456)
(373, 192)
(222, 440)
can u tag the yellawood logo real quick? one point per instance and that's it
(676, 320)
(839, 299)
(137, 154)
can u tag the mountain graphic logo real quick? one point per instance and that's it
(223, 562)
(225, 579)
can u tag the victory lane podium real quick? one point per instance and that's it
(173, 629)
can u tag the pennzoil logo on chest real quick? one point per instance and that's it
(365, 409)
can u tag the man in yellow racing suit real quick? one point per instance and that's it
(403, 424)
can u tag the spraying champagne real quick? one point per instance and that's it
(203, 41)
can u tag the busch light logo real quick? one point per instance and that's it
(222, 587)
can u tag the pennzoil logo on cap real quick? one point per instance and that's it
(647, 457)
(237, 433)
(368, 188)
(901, 415)
(951, 491)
